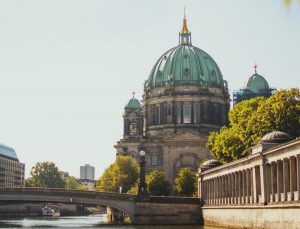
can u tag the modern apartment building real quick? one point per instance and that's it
(12, 171)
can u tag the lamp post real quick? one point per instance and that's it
(142, 192)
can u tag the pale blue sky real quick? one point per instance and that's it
(67, 68)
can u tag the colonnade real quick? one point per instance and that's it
(274, 181)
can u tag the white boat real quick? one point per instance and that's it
(48, 211)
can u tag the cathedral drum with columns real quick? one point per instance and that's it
(185, 98)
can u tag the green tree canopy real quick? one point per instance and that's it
(250, 120)
(72, 182)
(46, 174)
(157, 184)
(185, 182)
(122, 173)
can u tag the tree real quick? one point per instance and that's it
(157, 184)
(46, 174)
(122, 173)
(185, 182)
(250, 120)
(72, 182)
(227, 145)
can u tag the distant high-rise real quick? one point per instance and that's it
(11, 170)
(87, 172)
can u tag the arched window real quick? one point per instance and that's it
(154, 159)
(187, 113)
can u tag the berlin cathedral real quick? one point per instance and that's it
(185, 98)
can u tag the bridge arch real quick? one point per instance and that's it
(122, 202)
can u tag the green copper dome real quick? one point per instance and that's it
(257, 83)
(133, 104)
(185, 65)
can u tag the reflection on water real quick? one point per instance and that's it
(63, 222)
(93, 221)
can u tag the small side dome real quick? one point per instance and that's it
(257, 83)
(276, 137)
(133, 104)
(210, 164)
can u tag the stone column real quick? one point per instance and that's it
(250, 183)
(298, 177)
(215, 191)
(256, 184)
(236, 193)
(208, 192)
(286, 179)
(279, 180)
(225, 189)
(262, 170)
(254, 193)
(244, 186)
(211, 191)
(268, 182)
(273, 181)
(200, 192)
(247, 192)
(230, 188)
(240, 187)
(251, 199)
(220, 190)
(293, 177)
(204, 193)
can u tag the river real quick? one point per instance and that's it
(92, 221)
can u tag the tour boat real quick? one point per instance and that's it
(48, 211)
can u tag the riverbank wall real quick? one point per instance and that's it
(267, 217)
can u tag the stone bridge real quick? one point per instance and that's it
(153, 210)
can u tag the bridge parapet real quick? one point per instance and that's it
(70, 192)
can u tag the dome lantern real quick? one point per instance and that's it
(185, 35)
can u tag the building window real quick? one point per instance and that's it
(178, 113)
(157, 114)
(169, 111)
(196, 113)
(132, 129)
(154, 159)
(187, 113)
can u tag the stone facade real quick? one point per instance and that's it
(185, 98)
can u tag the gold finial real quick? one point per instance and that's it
(255, 68)
(133, 93)
(184, 25)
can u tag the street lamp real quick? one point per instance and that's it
(142, 192)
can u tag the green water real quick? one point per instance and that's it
(93, 221)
